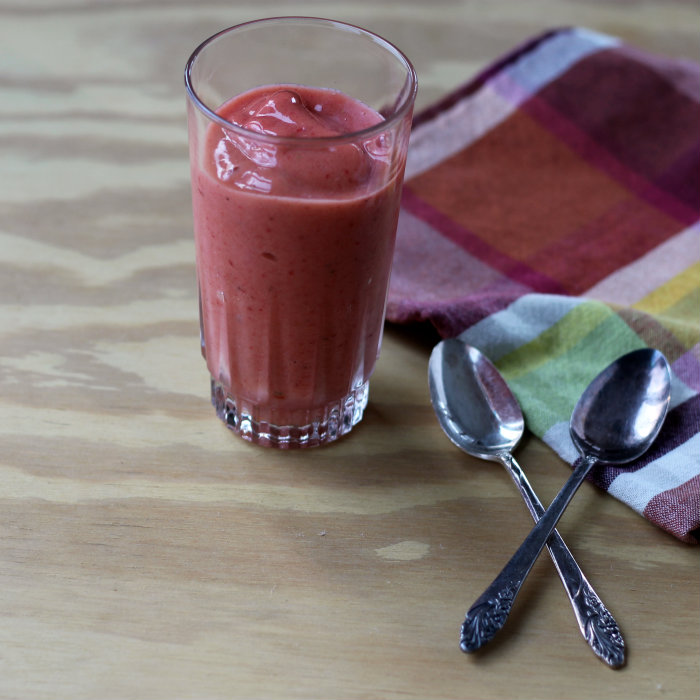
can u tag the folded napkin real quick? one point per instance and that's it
(551, 216)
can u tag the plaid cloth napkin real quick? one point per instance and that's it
(551, 217)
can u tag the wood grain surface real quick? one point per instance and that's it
(147, 552)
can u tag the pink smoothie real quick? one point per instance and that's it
(294, 250)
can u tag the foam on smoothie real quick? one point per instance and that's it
(294, 112)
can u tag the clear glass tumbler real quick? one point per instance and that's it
(298, 133)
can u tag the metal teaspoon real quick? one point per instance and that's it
(615, 421)
(478, 412)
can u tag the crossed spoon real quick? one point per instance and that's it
(616, 419)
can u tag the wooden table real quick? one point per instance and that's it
(147, 552)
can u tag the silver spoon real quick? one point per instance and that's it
(615, 421)
(480, 415)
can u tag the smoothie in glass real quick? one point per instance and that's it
(295, 192)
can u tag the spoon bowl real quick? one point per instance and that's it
(474, 405)
(600, 430)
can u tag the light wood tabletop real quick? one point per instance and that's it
(146, 551)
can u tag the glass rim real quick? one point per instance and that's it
(398, 114)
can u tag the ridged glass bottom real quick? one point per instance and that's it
(321, 425)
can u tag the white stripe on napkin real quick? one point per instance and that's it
(470, 118)
(520, 323)
(454, 129)
(547, 62)
(633, 282)
(559, 439)
(668, 472)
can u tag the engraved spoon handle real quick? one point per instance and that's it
(490, 611)
(595, 621)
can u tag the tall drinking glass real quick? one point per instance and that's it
(298, 132)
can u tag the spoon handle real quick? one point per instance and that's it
(595, 621)
(490, 611)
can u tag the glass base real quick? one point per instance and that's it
(322, 425)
